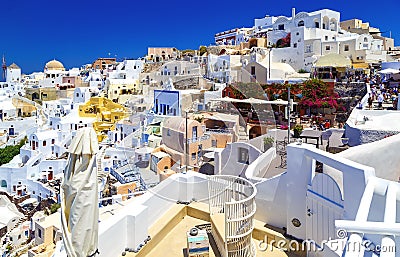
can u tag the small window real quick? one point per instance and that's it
(213, 143)
(53, 141)
(281, 27)
(326, 38)
(193, 156)
(327, 48)
(39, 233)
(346, 48)
(44, 143)
(243, 155)
(295, 45)
(168, 132)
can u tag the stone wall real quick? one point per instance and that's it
(369, 136)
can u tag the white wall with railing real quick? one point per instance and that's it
(371, 224)
(129, 227)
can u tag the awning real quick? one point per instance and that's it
(28, 201)
(389, 71)
(333, 60)
(250, 101)
(362, 65)
(160, 155)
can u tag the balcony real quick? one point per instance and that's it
(219, 131)
(198, 139)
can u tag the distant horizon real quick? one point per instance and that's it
(79, 32)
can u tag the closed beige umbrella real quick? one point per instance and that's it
(79, 196)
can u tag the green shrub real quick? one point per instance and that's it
(9, 152)
(297, 130)
(54, 207)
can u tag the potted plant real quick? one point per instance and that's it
(268, 142)
(297, 130)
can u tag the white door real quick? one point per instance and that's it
(324, 206)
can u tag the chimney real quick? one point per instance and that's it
(293, 13)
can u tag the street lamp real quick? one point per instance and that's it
(288, 110)
(186, 141)
(269, 63)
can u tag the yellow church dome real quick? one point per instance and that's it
(54, 65)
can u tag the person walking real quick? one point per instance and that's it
(370, 101)
(380, 101)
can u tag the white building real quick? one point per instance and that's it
(174, 70)
(13, 74)
(224, 68)
(83, 94)
(57, 108)
(233, 36)
(315, 34)
(128, 69)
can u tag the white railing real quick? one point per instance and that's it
(219, 131)
(385, 230)
(234, 198)
(198, 139)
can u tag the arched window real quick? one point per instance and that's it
(366, 39)
(300, 24)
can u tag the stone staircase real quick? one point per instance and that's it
(22, 248)
(242, 136)
(99, 156)
(20, 221)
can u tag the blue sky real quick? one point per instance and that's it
(77, 32)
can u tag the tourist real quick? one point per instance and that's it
(370, 101)
(327, 124)
(395, 101)
(380, 101)
(359, 106)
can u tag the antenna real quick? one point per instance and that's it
(4, 66)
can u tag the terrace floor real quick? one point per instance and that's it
(169, 234)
